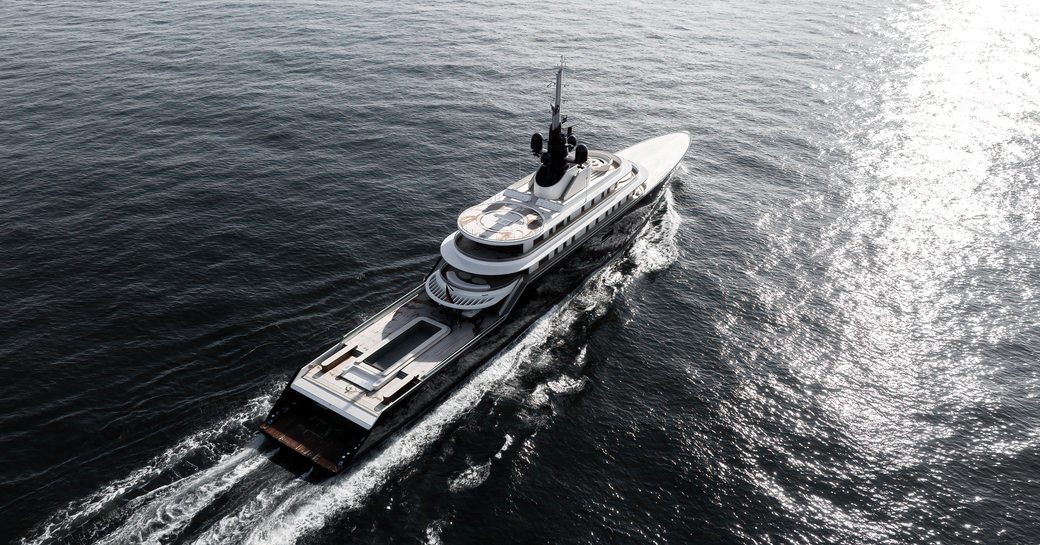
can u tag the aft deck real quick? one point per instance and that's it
(358, 380)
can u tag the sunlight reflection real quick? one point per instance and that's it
(894, 318)
(928, 219)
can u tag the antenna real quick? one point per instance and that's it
(559, 84)
(556, 107)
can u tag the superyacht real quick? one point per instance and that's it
(511, 258)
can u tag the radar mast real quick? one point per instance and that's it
(558, 156)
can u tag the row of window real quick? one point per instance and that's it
(497, 252)
(588, 206)
(569, 241)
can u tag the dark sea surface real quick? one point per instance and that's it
(828, 335)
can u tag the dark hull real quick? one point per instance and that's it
(332, 442)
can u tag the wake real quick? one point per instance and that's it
(133, 487)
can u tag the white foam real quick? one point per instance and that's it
(235, 527)
(433, 532)
(564, 385)
(78, 512)
(171, 508)
(471, 477)
(505, 446)
(657, 246)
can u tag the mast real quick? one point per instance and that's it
(557, 158)
(556, 117)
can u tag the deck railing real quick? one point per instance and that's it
(455, 297)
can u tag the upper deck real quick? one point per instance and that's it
(516, 215)
(538, 227)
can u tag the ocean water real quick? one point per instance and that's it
(828, 335)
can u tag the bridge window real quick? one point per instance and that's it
(478, 250)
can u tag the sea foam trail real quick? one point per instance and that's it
(299, 508)
(656, 247)
(61, 523)
(236, 527)
(167, 510)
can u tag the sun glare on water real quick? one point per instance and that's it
(933, 217)
(896, 315)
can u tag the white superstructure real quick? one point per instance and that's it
(523, 227)
(515, 231)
